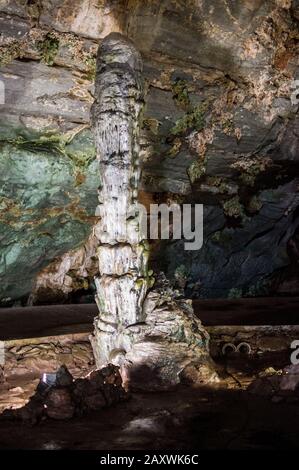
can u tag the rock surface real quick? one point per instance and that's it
(31, 357)
(171, 347)
(68, 397)
(150, 336)
(220, 128)
(123, 271)
(278, 385)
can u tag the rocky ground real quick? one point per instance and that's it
(40, 339)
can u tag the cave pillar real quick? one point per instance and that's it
(153, 335)
(122, 253)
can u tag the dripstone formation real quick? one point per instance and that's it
(154, 337)
(67, 397)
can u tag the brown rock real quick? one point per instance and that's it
(101, 388)
(96, 379)
(82, 390)
(63, 377)
(95, 401)
(111, 375)
(196, 376)
(59, 404)
(290, 380)
(33, 411)
(113, 394)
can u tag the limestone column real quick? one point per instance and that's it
(123, 254)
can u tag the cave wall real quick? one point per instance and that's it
(220, 128)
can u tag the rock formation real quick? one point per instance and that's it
(221, 129)
(65, 397)
(158, 338)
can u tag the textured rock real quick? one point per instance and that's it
(262, 340)
(219, 128)
(171, 347)
(59, 404)
(38, 90)
(33, 357)
(48, 209)
(158, 337)
(236, 262)
(67, 397)
(73, 271)
(244, 142)
(282, 386)
(295, 9)
(63, 377)
(89, 18)
(290, 381)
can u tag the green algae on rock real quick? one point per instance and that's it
(43, 212)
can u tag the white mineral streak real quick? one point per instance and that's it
(157, 340)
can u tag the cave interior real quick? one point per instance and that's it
(112, 338)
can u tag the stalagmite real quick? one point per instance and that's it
(122, 284)
(154, 337)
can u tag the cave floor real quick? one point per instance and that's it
(222, 416)
(183, 419)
